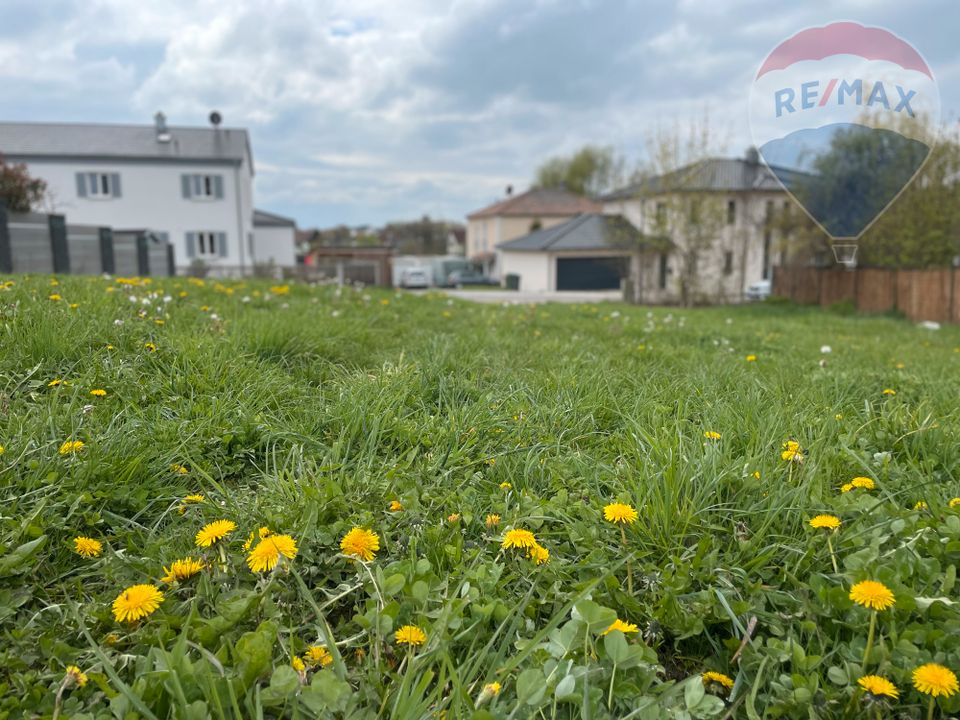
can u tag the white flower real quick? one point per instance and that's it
(335, 313)
(132, 298)
(214, 316)
(167, 298)
(729, 321)
(146, 301)
(118, 322)
(882, 457)
(245, 299)
(285, 306)
(826, 349)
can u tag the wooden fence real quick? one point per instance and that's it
(918, 294)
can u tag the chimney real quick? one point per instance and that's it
(752, 156)
(160, 122)
(509, 190)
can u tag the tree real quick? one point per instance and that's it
(591, 170)
(18, 191)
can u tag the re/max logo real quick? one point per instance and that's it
(852, 92)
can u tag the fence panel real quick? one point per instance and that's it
(876, 290)
(125, 262)
(157, 257)
(83, 245)
(924, 294)
(837, 286)
(30, 248)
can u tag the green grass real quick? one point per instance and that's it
(310, 412)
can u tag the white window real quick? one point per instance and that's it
(99, 184)
(207, 244)
(202, 187)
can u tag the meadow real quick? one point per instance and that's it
(245, 500)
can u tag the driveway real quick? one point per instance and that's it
(520, 297)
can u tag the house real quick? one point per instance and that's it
(274, 240)
(591, 251)
(721, 218)
(190, 185)
(518, 215)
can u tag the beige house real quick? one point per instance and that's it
(516, 216)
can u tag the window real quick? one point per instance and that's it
(769, 212)
(731, 212)
(206, 244)
(202, 187)
(98, 185)
(663, 271)
(661, 214)
(728, 263)
(766, 252)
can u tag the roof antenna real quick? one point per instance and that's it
(215, 119)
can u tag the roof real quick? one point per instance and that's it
(590, 231)
(712, 174)
(539, 202)
(262, 218)
(67, 140)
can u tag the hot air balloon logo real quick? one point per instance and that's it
(845, 116)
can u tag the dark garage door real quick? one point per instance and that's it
(596, 273)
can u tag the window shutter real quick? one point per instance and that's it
(81, 184)
(115, 184)
(185, 187)
(197, 185)
(218, 186)
(191, 243)
(221, 244)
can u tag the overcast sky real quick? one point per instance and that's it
(364, 112)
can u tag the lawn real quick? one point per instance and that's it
(301, 414)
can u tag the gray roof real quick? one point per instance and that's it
(712, 174)
(262, 218)
(68, 140)
(589, 231)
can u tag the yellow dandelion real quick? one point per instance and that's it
(538, 554)
(318, 655)
(493, 520)
(136, 602)
(360, 543)
(625, 627)
(76, 675)
(264, 532)
(792, 452)
(878, 686)
(280, 289)
(846, 487)
(825, 522)
(751, 358)
(150, 347)
(179, 469)
(712, 435)
(506, 486)
(863, 483)
(3, 450)
(935, 680)
(266, 554)
(838, 416)
(74, 306)
(396, 506)
(453, 518)
(410, 635)
(214, 532)
(298, 664)
(492, 688)
(710, 676)
(620, 513)
(194, 498)
(872, 594)
(248, 542)
(518, 539)
(182, 570)
(756, 474)
(87, 547)
(55, 382)
(71, 446)
(55, 297)
(954, 502)
(920, 505)
(889, 391)
(98, 392)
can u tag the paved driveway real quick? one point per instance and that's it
(521, 297)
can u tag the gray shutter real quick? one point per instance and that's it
(198, 185)
(185, 187)
(81, 184)
(191, 243)
(221, 244)
(115, 184)
(218, 186)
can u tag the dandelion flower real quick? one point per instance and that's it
(620, 513)
(71, 446)
(715, 677)
(872, 594)
(825, 522)
(751, 358)
(506, 486)
(194, 498)
(920, 505)
(55, 297)
(360, 543)
(150, 347)
(76, 675)
(492, 688)
(493, 519)
(396, 506)
(3, 450)
(846, 487)
(214, 532)
(318, 655)
(410, 635)
(453, 518)
(180, 470)
(878, 686)
(266, 554)
(889, 391)
(712, 435)
(98, 392)
(625, 627)
(538, 554)
(792, 452)
(136, 602)
(87, 547)
(518, 539)
(953, 503)
(297, 664)
(55, 382)
(863, 483)
(182, 570)
(935, 680)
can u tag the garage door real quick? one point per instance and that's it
(586, 273)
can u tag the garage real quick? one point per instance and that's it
(590, 273)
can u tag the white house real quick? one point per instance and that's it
(274, 239)
(191, 185)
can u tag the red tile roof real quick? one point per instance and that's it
(539, 202)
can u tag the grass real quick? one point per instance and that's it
(309, 410)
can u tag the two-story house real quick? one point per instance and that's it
(190, 185)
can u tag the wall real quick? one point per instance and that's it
(274, 244)
(151, 198)
(532, 267)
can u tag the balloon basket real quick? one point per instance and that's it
(846, 255)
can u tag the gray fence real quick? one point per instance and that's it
(39, 243)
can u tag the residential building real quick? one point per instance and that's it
(190, 185)
(274, 240)
(516, 216)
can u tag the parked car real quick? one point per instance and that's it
(414, 278)
(459, 278)
(759, 290)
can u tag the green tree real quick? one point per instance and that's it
(18, 191)
(591, 170)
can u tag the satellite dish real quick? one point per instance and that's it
(215, 119)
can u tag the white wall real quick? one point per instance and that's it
(532, 267)
(274, 245)
(151, 198)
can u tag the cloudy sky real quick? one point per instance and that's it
(364, 112)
